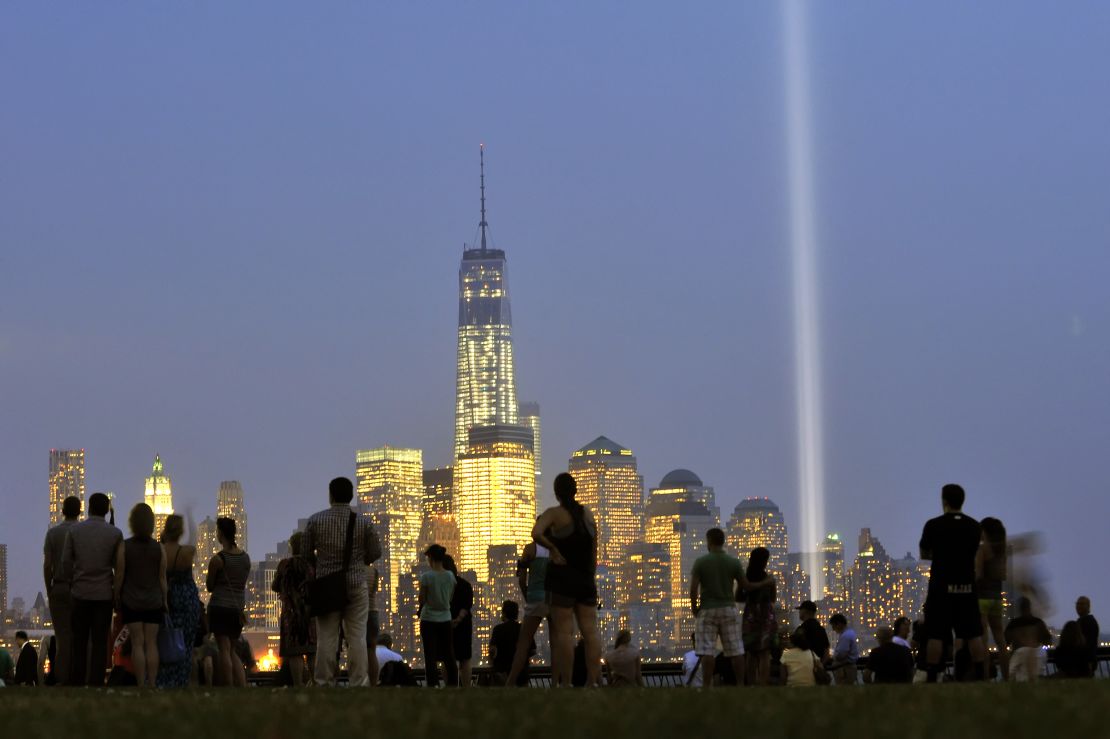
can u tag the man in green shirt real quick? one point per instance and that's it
(713, 585)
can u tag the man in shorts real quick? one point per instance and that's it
(951, 541)
(713, 585)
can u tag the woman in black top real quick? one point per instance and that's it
(569, 532)
(990, 572)
(140, 592)
(462, 621)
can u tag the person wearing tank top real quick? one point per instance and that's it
(569, 533)
(184, 601)
(140, 592)
(227, 578)
(531, 572)
(990, 574)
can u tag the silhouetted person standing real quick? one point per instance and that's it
(27, 664)
(90, 552)
(325, 544)
(1088, 625)
(437, 586)
(462, 622)
(141, 592)
(951, 542)
(714, 582)
(58, 575)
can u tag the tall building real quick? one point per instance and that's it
(758, 522)
(644, 597)
(610, 486)
(67, 477)
(872, 589)
(500, 586)
(794, 588)
(207, 546)
(684, 485)
(830, 555)
(230, 503)
(439, 526)
(485, 391)
(391, 493)
(495, 493)
(529, 415)
(159, 495)
(912, 584)
(3, 583)
(678, 516)
(263, 605)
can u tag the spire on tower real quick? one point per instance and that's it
(482, 169)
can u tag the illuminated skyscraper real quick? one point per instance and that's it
(912, 582)
(67, 477)
(485, 383)
(758, 522)
(529, 415)
(495, 494)
(501, 585)
(207, 546)
(391, 493)
(439, 525)
(230, 503)
(872, 588)
(3, 583)
(612, 489)
(678, 516)
(644, 595)
(158, 495)
(831, 556)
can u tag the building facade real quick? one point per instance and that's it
(758, 522)
(67, 477)
(610, 486)
(528, 414)
(485, 389)
(231, 503)
(391, 493)
(207, 546)
(158, 494)
(495, 493)
(644, 597)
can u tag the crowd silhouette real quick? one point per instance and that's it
(127, 612)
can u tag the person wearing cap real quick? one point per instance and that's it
(437, 585)
(815, 635)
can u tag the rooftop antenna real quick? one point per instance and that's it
(482, 168)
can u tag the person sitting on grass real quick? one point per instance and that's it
(846, 653)
(503, 643)
(1027, 635)
(800, 666)
(622, 663)
(888, 662)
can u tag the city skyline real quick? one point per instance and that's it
(248, 263)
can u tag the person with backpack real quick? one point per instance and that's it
(297, 627)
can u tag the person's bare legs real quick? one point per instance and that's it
(587, 625)
(993, 625)
(138, 652)
(150, 637)
(562, 650)
(238, 674)
(465, 673)
(709, 669)
(738, 669)
(528, 628)
(223, 661)
(978, 649)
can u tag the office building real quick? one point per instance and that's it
(610, 486)
(758, 522)
(231, 503)
(67, 478)
(158, 495)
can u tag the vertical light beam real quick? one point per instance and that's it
(803, 249)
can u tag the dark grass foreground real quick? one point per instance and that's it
(1049, 709)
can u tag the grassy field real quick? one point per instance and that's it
(1049, 709)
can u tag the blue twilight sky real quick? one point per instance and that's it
(231, 232)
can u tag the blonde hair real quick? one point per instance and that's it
(173, 529)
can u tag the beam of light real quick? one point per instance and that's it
(803, 249)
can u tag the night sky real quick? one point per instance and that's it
(230, 234)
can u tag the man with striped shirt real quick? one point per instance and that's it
(325, 540)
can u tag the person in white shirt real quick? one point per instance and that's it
(691, 668)
(384, 650)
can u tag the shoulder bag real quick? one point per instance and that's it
(328, 594)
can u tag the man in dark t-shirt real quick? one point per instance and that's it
(816, 636)
(1089, 626)
(950, 541)
(889, 662)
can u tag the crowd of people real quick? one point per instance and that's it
(132, 604)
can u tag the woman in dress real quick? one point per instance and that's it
(184, 600)
(758, 625)
(227, 582)
(140, 592)
(298, 628)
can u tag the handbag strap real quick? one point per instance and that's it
(350, 545)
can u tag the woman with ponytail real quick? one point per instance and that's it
(568, 531)
(227, 582)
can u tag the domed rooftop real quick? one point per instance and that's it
(680, 478)
(756, 504)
